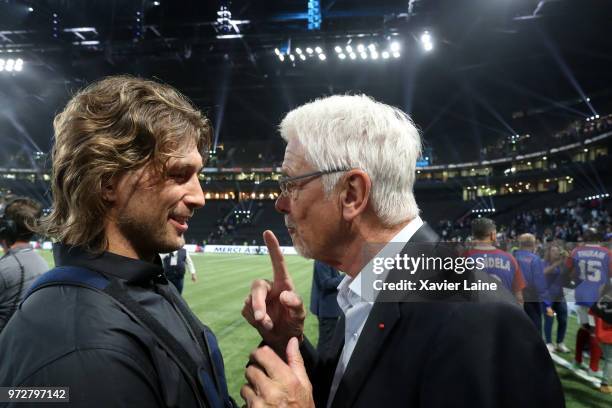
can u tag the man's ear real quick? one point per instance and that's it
(109, 189)
(355, 193)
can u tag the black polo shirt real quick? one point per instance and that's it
(77, 337)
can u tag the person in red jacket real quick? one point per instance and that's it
(603, 334)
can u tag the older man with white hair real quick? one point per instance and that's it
(347, 197)
(536, 294)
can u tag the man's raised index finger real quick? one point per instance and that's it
(278, 261)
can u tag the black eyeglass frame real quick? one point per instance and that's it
(285, 181)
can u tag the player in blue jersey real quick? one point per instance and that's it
(590, 265)
(500, 264)
(532, 267)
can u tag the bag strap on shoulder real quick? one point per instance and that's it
(83, 277)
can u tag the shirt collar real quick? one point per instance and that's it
(128, 269)
(350, 288)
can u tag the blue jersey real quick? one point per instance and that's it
(502, 266)
(591, 266)
(532, 268)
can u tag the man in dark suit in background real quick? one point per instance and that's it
(175, 264)
(350, 169)
(323, 302)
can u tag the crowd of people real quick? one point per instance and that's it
(542, 273)
(554, 239)
(525, 143)
(566, 222)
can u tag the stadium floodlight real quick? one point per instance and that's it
(318, 50)
(309, 50)
(277, 51)
(427, 41)
(298, 50)
(349, 49)
(302, 57)
(385, 54)
(374, 55)
(395, 46)
(1, 65)
(281, 57)
(30, 9)
(322, 57)
(341, 56)
(396, 54)
(372, 47)
(338, 49)
(352, 55)
(360, 48)
(364, 55)
(18, 65)
(291, 57)
(9, 65)
(156, 3)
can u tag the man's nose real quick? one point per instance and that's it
(282, 204)
(195, 194)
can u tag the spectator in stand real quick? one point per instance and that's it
(499, 264)
(553, 265)
(536, 293)
(590, 264)
(566, 223)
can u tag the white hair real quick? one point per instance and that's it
(357, 132)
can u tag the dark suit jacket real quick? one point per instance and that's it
(446, 351)
(323, 297)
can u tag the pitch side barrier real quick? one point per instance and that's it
(207, 249)
(245, 250)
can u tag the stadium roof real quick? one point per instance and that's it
(496, 68)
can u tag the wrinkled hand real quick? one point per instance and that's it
(272, 383)
(549, 312)
(273, 308)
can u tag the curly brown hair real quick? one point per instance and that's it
(113, 126)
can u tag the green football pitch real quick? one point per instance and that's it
(223, 283)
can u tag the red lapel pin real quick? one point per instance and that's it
(381, 326)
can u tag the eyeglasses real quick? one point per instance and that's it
(289, 187)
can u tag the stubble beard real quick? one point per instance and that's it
(302, 249)
(148, 236)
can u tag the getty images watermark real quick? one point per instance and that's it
(401, 271)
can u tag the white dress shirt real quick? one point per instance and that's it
(356, 310)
